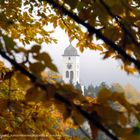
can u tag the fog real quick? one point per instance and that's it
(93, 69)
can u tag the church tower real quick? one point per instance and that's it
(71, 65)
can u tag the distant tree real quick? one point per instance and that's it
(117, 87)
(78, 86)
(90, 91)
(103, 85)
(85, 91)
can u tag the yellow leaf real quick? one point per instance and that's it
(78, 117)
(36, 94)
(103, 95)
(37, 67)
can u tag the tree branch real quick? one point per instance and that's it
(35, 80)
(117, 18)
(91, 29)
(81, 129)
(67, 26)
(90, 117)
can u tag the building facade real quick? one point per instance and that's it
(71, 65)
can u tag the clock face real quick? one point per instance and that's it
(69, 65)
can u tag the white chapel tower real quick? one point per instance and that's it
(71, 65)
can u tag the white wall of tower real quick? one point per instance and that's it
(75, 62)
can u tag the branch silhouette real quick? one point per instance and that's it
(118, 20)
(91, 29)
(38, 82)
(35, 80)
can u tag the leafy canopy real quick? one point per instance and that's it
(29, 97)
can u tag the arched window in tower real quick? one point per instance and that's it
(71, 75)
(67, 74)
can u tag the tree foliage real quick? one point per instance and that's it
(26, 112)
(32, 104)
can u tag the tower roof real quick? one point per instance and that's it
(70, 51)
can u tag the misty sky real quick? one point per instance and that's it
(93, 70)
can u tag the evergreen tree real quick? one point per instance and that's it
(78, 86)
